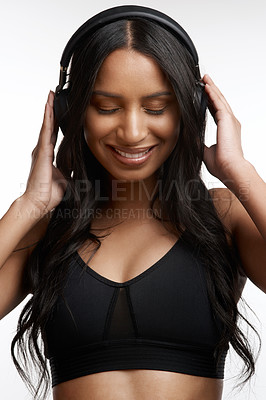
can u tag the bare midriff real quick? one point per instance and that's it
(139, 384)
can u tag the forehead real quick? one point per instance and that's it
(126, 68)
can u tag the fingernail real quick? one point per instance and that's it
(50, 99)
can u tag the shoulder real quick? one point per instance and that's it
(224, 202)
(249, 242)
(230, 209)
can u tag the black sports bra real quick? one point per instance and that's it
(159, 320)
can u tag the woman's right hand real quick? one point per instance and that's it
(46, 185)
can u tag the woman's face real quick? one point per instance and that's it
(132, 122)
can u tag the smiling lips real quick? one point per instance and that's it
(132, 156)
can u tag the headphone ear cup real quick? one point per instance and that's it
(61, 109)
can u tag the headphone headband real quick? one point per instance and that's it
(123, 12)
(126, 12)
(108, 16)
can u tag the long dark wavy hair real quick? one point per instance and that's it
(187, 204)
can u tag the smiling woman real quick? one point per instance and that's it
(127, 304)
(130, 117)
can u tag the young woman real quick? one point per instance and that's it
(134, 267)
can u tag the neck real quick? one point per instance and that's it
(131, 198)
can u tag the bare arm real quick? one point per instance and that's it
(20, 219)
(26, 220)
(246, 218)
(19, 234)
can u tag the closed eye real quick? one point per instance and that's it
(155, 112)
(147, 110)
(103, 111)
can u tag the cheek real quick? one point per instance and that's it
(176, 130)
(168, 129)
(94, 129)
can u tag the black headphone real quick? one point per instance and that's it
(111, 15)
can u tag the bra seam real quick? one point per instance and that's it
(132, 313)
(110, 313)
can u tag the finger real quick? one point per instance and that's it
(47, 129)
(216, 106)
(54, 135)
(55, 126)
(215, 90)
(50, 99)
(216, 97)
(215, 94)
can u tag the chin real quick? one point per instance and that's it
(130, 176)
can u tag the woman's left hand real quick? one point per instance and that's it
(246, 198)
(223, 158)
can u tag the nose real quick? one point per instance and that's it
(132, 128)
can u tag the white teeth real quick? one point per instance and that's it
(131, 155)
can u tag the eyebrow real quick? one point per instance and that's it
(114, 95)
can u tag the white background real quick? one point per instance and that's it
(230, 39)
